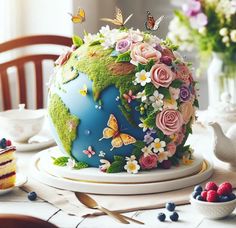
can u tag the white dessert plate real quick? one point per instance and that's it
(21, 179)
(114, 188)
(34, 145)
(95, 175)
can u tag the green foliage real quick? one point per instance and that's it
(150, 121)
(174, 161)
(149, 89)
(60, 161)
(165, 92)
(147, 67)
(96, 42)
(77, 41)
(196, 103)
(137, 153)
(80, 165)
(176, 83)
(61, 116)
(139, 144)
(124, 57)
(117, 165)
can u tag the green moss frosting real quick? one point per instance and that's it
(60, 115)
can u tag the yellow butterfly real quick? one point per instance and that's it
(112, 131)
(79, 17)
(118, 20)
(84, 91)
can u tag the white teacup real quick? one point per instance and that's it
(21, 124)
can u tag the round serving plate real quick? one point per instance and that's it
(41, 175)
(95, 175)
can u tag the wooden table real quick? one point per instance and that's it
(17, 202)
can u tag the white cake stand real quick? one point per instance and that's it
(92, 180)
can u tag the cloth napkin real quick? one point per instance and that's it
(67, 201)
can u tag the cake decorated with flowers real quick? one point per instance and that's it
(122, 100)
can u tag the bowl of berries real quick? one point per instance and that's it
(213, 201)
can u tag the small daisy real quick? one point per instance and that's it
(132, 166)
(170, 104)
(142, 96)
(146, 151)
(158, 145)
(143, 77)
(157, 100)
(162, 156)
(70, 163)
(105, 165)
(143, 125)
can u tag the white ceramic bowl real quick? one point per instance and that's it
(21, 124)
(213, 210)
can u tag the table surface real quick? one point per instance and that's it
(17, 202)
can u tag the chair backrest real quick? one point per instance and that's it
(20, 62)
(23, 221)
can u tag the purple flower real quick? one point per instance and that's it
(184, 93)
(192, 8)
(148, 139)
(123, 45)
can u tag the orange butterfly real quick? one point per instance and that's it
(112, 131)
(79, 17)
(151, 23)
(118, 18)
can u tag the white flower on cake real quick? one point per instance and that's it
(158, 145)
(153, 41)
(143, 77)
(105, 165)
(135, 35)
(147, 150)
(70, 163)
(157, 100)
(170, 104)
(143, 125)
(142, 96)
(132, 165)
(90, 38)
(105, 30)
(162, 156)
(102, 154)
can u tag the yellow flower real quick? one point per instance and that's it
(186, 160)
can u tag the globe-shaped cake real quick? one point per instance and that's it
(122, 100)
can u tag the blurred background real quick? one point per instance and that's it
(29, 17)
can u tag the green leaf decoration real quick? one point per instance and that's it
(137, 153)
(77, 41)
(60, 161)
(96, 42)
(174, 160)
(139, 144)
(124, 57)
(165, 92)
(160, 134)
(189, 127)
(176, 83)
(149, 89)
(118, 158)
(149, 65)
(150, 121)
(196, 103)
(140, 67)
(80, 165)
(117, 165)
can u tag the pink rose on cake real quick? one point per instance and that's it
(171, 149)
(183, 73)
(142, 53)
(149, 161)
(169, 121)
(161, 75)
(167, 56)
(187, 111)
(123, 45)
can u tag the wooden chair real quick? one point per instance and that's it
(20, 62)
(23, 221)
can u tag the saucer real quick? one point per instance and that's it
(20, 181)
(34, 145)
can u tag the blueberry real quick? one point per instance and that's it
(32, 196)
(199, 197)
(195, 194)
(232, 196)
(3, 143)
(174, 217)
(198, 188)
(170, 206)
(161, 217)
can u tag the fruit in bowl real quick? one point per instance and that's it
(214, 201)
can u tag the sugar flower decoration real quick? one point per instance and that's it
(123, 45)
(89, 152)
(132, 165)
(142, 96)
(147, 150)
(105, 165)
(162, 156)
(142, 77)
(157, 100)
(186, 160)
(102, 154)
(70, 163)
(158, 145)
(129, 96)
(148, 138)
(170, 104)
(143, 125)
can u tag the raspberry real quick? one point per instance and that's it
(211, 186)
(8, 143)
(224, 189)
(204, 195)
(212, 196)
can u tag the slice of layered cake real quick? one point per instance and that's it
(7, 164)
